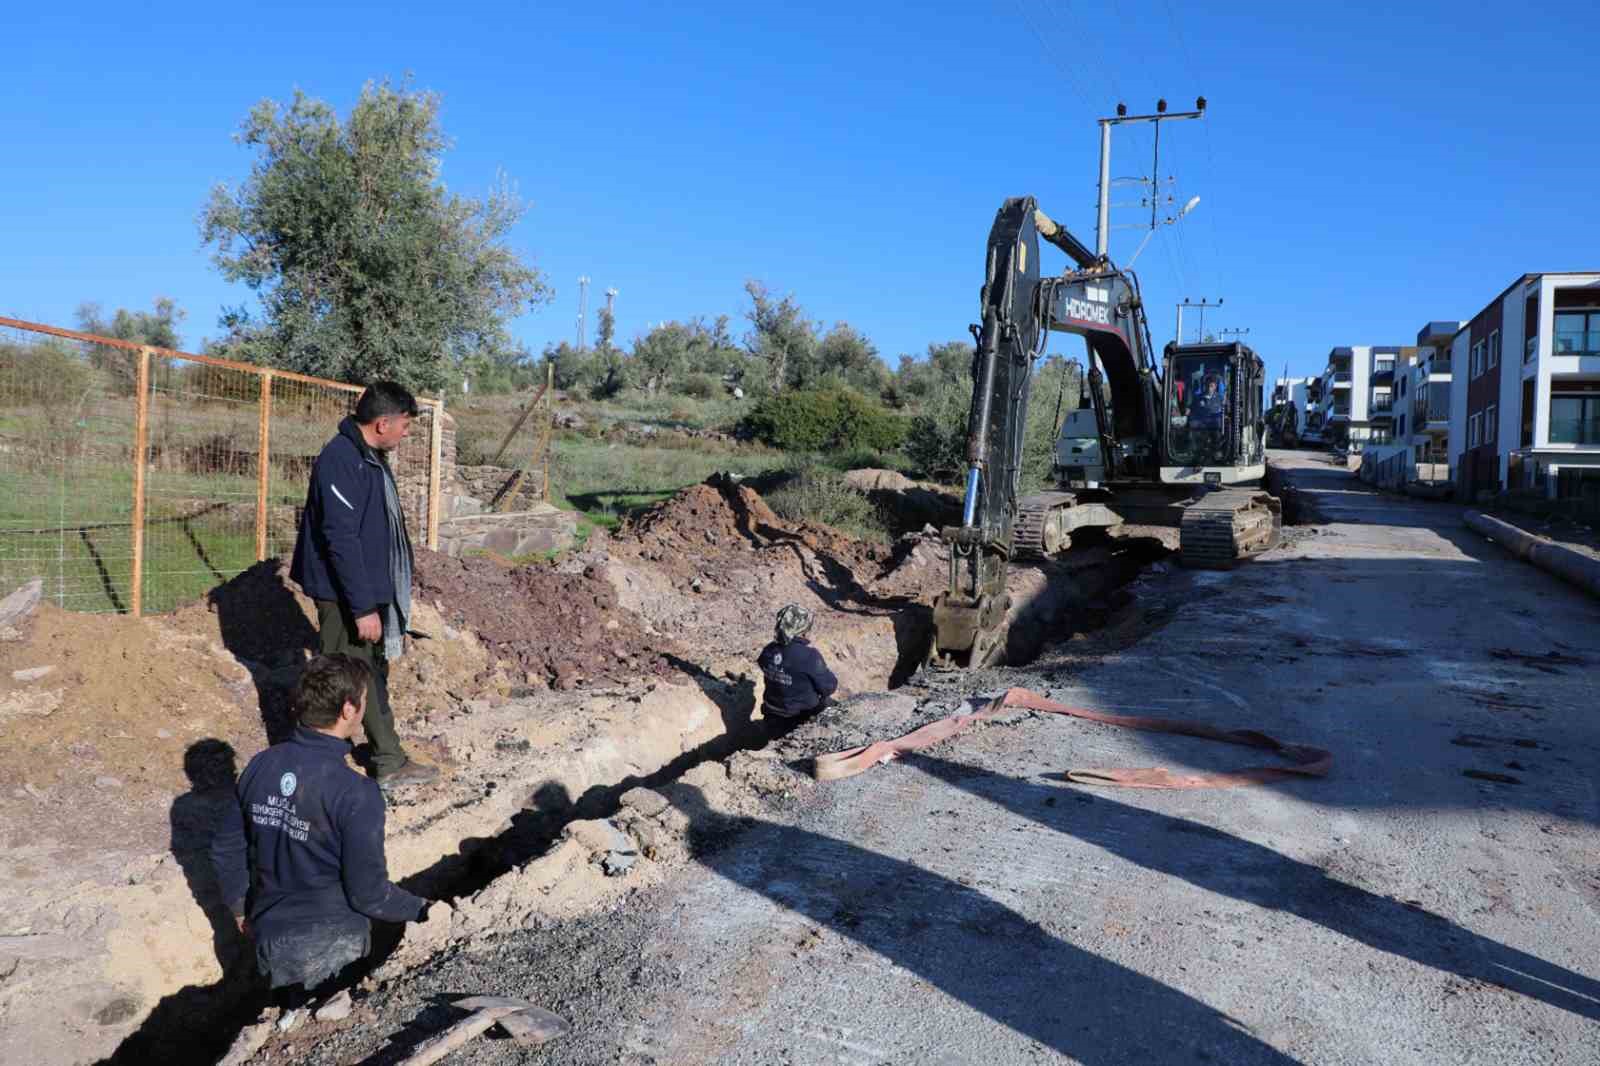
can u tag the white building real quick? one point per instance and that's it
(1296, 391)
(1525, 413)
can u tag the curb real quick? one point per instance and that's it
(1573, 567)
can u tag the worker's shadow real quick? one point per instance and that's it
(969, 946)
(264, 627)
(212, 769)
(1229, 866)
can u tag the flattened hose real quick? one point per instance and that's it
(1303, 760)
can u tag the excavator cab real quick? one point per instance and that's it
(1215, 433)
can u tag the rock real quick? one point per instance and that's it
(646, 801)
(251, 1039)
(873, 480)
(617, 863)
(337, 1008)
(433, 932)
(28, 703)
(107, 782)
(32, 673)
(20, 604)
(291, 1020)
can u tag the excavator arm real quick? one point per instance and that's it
(1019, 310)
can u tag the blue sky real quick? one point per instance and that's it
(1361, 170)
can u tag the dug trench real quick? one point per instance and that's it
(555, 762)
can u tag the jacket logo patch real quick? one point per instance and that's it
(287, 783)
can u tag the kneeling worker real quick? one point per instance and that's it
(798, 681)
(303, 847)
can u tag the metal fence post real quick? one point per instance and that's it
(141, 431)
(263, 464)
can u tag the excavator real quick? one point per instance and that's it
(1183, 444)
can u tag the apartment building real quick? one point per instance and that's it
(1428, 405)
(1528, 414)
(1361, 386)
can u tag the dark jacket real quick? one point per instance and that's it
(798, 681)
(343, 550)
(304, 844)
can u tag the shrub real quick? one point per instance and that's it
(824, 420)
(817, 494)
(700, 386)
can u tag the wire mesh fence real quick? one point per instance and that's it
(133, 479)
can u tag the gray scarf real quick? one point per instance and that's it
(398, 613)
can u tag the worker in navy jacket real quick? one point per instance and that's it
(353, 558)
(300, 857)
(798, 681)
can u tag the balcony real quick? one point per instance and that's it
(1530, 349)
(1575, 431)
(1383, 372)
(1341, 380)
(1438, 367)
(1577, 342)
(1339, 414)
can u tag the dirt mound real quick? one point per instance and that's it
(547, 627)
(721, 517)
(111, 706)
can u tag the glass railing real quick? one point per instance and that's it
(1577, 342)
(1383, 407)
(1382, 368)
(1575, 431)
(1341, 378)
(1530, 348)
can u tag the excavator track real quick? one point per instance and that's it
(1227, 525)
(1047, 521)
(1033, 518)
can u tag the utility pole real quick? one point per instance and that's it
(611, 301)
(1201, 307)
(1234, 333)
(583, 306)
(1102, 246)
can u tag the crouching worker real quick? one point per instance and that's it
(798, 681)
(300, 858)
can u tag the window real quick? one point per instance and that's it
(1530, 348)
(1575, 419)
(1577, 332)
(1490, 418)
(1402, 425)
(1494, 349)
(1473, 425)
(1477, 361)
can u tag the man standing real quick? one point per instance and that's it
(303, 847)
(798, 680)
(353, 557)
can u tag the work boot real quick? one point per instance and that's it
(412, 773)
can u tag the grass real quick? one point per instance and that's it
(606, 483)
(72, 526)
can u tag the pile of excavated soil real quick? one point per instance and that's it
(103, 718)
(542, 625)
(713, 564)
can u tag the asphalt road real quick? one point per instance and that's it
(968, 906)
